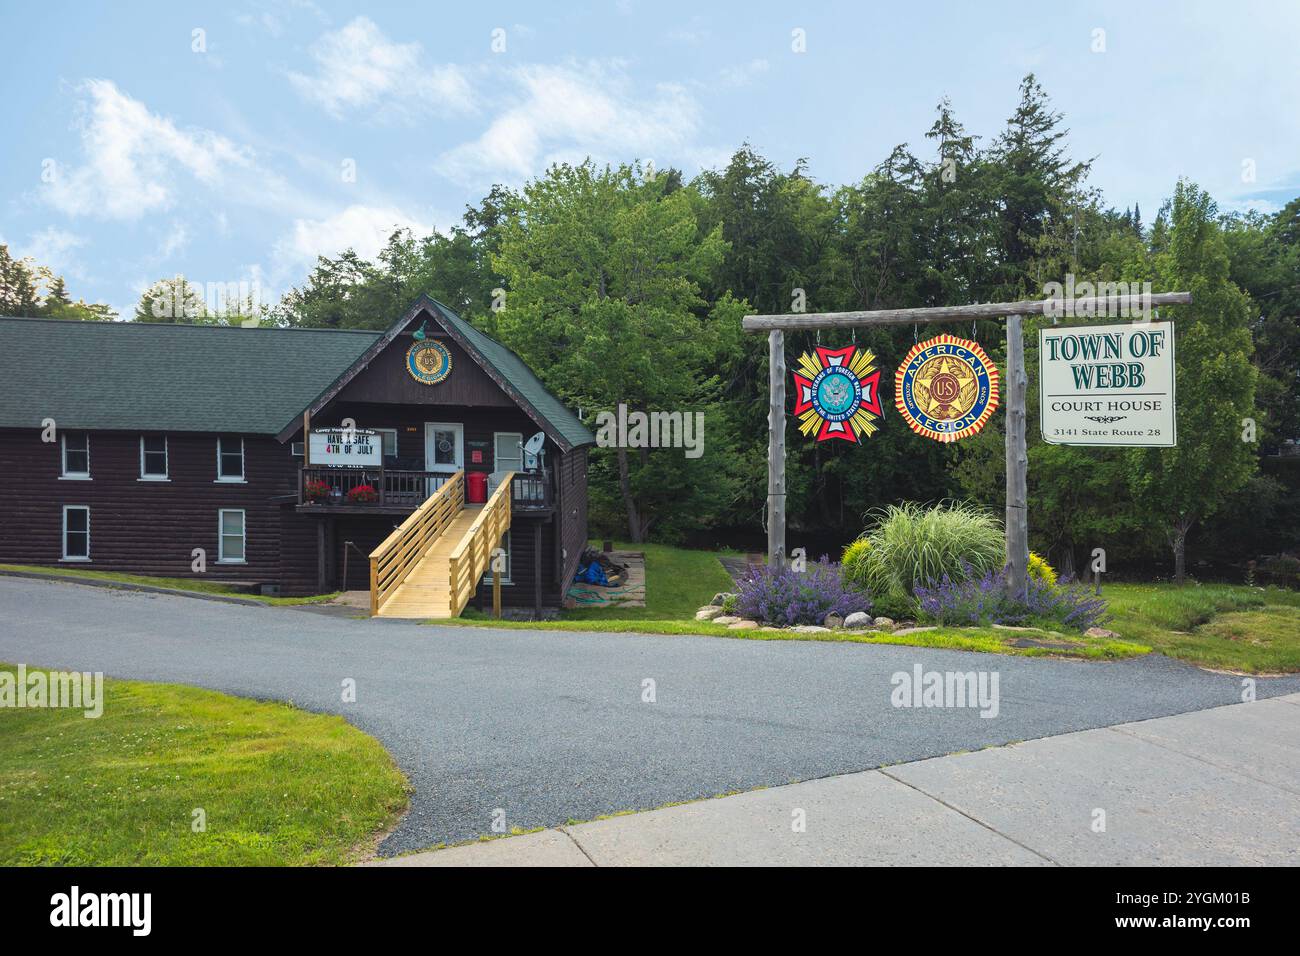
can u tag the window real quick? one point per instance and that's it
(230, 525)
(76, 455)
(508, 451)
(505, 574)
(388, 439)
(230, 458)
(295, 449)
(76, 533)
(153, 457)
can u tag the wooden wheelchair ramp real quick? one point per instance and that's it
(431, 565)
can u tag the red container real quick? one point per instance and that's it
(476, 487)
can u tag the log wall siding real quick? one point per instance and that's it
(480, 425)
(387, 380)
(573, 513)
(150, 527)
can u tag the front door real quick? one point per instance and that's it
(444, 447)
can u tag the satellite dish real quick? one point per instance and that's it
(533, 452)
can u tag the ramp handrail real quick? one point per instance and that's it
(472, 555)
(392, 561)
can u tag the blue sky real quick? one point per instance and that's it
(134, 148)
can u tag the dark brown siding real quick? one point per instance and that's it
(573, 512)
(386, 380)
(480, 424)
(150, 527)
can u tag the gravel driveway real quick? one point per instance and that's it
(550, 726)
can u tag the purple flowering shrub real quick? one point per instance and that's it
(783, 596)
(984, 600)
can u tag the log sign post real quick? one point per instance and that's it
(1122, 380)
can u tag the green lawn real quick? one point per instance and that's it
(1232, 627)
(278, 785)
(181, 584)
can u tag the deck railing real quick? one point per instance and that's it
(403, 488)
(392, 561)
(530, 490)
(394, 487)
(472, 556)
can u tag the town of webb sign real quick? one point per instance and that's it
(1108, 384)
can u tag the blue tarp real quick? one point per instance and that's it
(591, 573)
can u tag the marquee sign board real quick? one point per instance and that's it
(357, 447)
(1108, 385)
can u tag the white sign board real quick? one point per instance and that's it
(1108, 384)
(341, 446)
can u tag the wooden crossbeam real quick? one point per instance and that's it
(1099, 308)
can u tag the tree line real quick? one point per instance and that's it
(626, 285)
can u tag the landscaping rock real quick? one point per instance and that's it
(743, 626)
(1099, 632)
(721, 597)
(915, 630)
(883, 622)
(708, 612)
(726, 619)
(810, 629)
(833, 620)
(858, 619)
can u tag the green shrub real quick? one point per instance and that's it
(909, 544)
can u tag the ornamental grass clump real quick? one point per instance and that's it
(983, 600)
(910, 544)
(783, 596)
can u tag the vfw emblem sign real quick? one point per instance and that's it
(946, 388)
(837, 394)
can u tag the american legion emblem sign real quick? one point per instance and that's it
(946, 388)
(428, 362)
(838, 393)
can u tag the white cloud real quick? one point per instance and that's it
(363, 228)
(55, 248)
(743, 75)
(359, 68)
(576, 109)
(177, 238)
(132, 157)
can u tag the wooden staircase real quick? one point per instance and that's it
(431, 565)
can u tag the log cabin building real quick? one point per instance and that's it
(298, 460)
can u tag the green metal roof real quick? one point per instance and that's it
(208, 378)
(164, 377)
(514, 370)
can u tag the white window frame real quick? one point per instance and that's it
(510, 555)
(496, 463)
(63, 544)
(167, 461)
(295, 449)
(221, 535)
(225, 479)
(63, 470)
(381, 432)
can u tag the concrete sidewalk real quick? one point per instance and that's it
(1218, 786)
